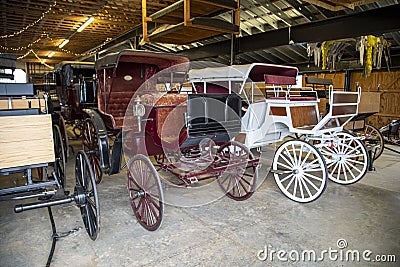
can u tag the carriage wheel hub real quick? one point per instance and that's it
(141, 193)
(298, 171)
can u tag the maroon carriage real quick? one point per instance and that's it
(119, 76)
(162, 130)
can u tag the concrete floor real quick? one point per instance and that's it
(222, 232)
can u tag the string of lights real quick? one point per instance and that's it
(30, 25)
(16, 49)
(41, 60)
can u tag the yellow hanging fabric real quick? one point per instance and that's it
(324, 52)
(371, 45)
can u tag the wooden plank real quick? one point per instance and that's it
(20, 103)
(26, 140)
(278, 111)
(303, 116)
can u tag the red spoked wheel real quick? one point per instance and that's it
(239, 181)
(91, 148)
(145, 192)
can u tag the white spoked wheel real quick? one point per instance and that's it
(346, 158)
(299, 170)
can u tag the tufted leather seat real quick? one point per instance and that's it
(168, 103)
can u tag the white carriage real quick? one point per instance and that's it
(275, 110)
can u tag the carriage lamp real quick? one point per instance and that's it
(138, 112)
(138, 108)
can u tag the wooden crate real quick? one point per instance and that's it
(25, 140)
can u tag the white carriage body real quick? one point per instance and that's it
(300, 167)
(270, 119)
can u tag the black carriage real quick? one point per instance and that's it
(76, 90)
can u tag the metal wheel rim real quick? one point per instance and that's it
(64, 134)
(299, 171)
(347, 161)
(59, 151)
(145, 192)
(90, 210)
(238, 183)
(90, 146)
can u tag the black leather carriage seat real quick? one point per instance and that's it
(215, 116)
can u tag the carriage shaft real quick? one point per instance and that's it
(37, 205)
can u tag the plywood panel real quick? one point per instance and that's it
(25, 140)
(369, 102)
(389, 83)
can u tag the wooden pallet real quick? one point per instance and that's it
(187, 21)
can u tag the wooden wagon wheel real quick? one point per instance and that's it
(346, 158)
(237, 182)
(373, 136)
(60, 156)
(88, 201)
(91, 148)
(299, 170)
(145, 192)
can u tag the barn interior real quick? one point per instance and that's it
(85, 76)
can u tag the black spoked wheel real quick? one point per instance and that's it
(60, 156)
(91, 148)
(86, 186)
(63, 130)
(239, 181)
(145, 192)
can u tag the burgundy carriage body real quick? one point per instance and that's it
(120, 75)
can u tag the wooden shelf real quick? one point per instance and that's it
(188, 21)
